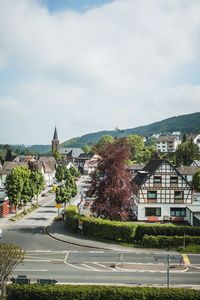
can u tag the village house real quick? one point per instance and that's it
(195, 138)
(196, 163)
(91, 164)
(167, 143)
(161, 193)
(188, 171)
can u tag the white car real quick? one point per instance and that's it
(1, 233)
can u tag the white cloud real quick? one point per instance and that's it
(111, 65)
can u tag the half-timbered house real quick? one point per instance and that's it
(162, 193)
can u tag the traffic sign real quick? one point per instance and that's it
(46, 281)
(58, 205)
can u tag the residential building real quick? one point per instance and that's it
(134, 169)
(162, 193)
(188, 171)
(71, 154)
(91, 165)
(167, 143)
(195, 138)
(196, 163)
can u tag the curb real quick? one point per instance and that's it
(72, 243)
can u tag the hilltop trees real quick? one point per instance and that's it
(111, 182)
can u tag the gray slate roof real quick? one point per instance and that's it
(74, 152)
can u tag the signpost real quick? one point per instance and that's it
(58, 206)
(168, 257)
(80, 224)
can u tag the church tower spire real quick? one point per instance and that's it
(55, 141)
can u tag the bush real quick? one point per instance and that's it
(61, 292)
(167, 230)
(150, 241)
(161, 241)
(96, 227)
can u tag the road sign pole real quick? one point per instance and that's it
(168, 256)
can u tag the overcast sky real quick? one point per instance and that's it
(90, 65)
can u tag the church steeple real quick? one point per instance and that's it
(55, 141)
(55, 137)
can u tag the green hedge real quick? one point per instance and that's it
(64, 292)
(167, 230)
(96, 227)
(161, 241)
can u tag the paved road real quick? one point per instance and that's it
(50, 258)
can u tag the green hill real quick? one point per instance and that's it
(189, 123)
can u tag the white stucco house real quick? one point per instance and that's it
(167, 143)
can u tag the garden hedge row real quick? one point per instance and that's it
(96, 227)
(167, 230)
(61, 292)
(160, 241)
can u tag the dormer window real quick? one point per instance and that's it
(174, 179)
(157, 179)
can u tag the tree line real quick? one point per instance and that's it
(23, 184)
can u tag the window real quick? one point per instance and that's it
(157, 179)
(177, 212)
(178, 195)
(152, 195)
(152, 212)
(174, 179)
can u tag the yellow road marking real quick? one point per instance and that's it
(186, 259)
(66, 256)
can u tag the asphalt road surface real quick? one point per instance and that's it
(48, 258)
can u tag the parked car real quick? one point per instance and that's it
(1, 233)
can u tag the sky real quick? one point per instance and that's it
(92, 65)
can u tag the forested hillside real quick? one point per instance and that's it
(185, 123)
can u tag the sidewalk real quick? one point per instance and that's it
(58, 231)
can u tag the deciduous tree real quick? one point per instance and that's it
(111, 183)
(103, 140)
(186, 153)
(196, 181)
(135, 143)
(10, 256)
(86, 149)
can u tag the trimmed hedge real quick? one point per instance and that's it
(63, 292)
(167, 230)
(96, 227)
(161, 241)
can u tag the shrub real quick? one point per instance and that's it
(61, 292)
(161, 241)
(96, 227)
(167, 230)
(150, 241)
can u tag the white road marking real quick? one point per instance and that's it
(37, 270)
(89, 267)
(109, 268)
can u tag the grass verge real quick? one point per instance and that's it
(23, 213)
